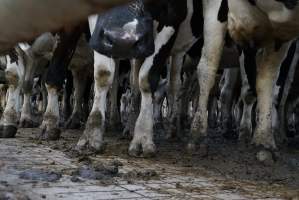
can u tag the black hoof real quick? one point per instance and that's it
(8, 131)
(51, 134)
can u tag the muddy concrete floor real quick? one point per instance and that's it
(32, 169)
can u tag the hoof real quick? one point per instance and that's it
(50, 134)
(266, 157)
(8, 131)
(145, 151)
(87, 148)
(28, 124)
(91, 141)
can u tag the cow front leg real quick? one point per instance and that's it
(214, 33)
(142, 143)
(267, 69)
(14, 75)
(92, 138)
(226, 100)
(133, 99)
(174, 99)
(49, 126)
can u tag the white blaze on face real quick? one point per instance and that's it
(130, 29)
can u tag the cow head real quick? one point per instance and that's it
(124, 32)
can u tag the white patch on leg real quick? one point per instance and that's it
(104, 69)
(14, 75)
(267, 72)
(52, 111)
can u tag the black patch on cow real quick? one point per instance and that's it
(252, 2)
(197, 18)
(62, 57)
(196, 49)
(159, 63)
(250, 66)
(289, 4)
(284, 70)
(167, 12)
(223, 11)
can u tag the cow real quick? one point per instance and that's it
(104, 66)
(175, 33)
(268, 26)
(22, 62)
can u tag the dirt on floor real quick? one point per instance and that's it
(226, 158)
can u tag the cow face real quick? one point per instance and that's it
(124, 32)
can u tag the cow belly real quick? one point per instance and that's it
(246, 24)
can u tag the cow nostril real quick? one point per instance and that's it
(107, 38)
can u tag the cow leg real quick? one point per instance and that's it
(113, 111)
(160, 95)
(226, 99)
(44, 98)
(286, 99)
(142, 143)
(246, 129)
(248, 94)
(214, 33)
(173, 94)
(267, 70)
(3, 91)
(92, 137)
(49, 126)
(26, 119)
(80, 82)
(11, 114)
(66, 100)
(133, 99)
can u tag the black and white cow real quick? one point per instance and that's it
(175, 33)
(104, 67)
(22, 63)
(266, 25)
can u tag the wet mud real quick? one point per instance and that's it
(226, 158)
(40, 175)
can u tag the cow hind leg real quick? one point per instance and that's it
(92, 138)
(80, 82)
(214, 32)
(10, 117)
(173, 95)
(142, 143)
(268, 66)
